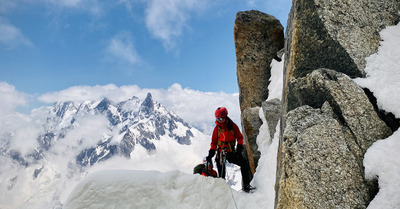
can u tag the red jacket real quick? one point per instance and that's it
(225, 136)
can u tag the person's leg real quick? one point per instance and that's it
(237, 159)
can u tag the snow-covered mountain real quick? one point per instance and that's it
(131, 123)
(71, 139)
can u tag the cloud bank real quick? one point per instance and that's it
(195, 107)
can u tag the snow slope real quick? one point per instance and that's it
(172, 189)
(175, 189)
(180, 190)
(149, 189)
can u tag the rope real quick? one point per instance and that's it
(226, 174)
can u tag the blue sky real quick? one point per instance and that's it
(51, 45)
(182, 51)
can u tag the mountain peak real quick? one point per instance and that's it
(148, 104)
(149, 99)
(103, 105)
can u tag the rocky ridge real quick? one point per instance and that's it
(327, 121)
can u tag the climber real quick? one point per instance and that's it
(205, 169)
(225, 136)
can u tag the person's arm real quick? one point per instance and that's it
(213, 145)
(214, 139)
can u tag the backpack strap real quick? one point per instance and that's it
(222, 144)
(220, 130)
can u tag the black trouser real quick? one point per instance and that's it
(237, 159)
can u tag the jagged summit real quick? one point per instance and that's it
(148, 105)
(104, 105)
(131, 123)
(148, 102)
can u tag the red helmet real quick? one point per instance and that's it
(221, 112)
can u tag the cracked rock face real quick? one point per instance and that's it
(338, 34)
(330, 124)
(319, 170)
(349, 102)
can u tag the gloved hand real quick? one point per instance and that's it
(211, 154)
(239, 148)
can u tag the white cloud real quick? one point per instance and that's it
(84, 93)
(10, 99)
(166, 19)
(12, 36)
(25, 129)
(21, 125)
(121, 48)
(195, 107)
(86, 135)
(198, 107)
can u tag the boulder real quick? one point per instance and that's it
(318, 170)
(258, 38)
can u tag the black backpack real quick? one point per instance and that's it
(198, 169)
